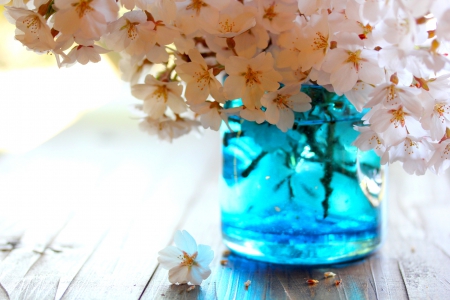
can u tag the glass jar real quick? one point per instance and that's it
(307, 196)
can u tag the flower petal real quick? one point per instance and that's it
(169, 257)
(185, 241)
(205, 255)
(179, 274)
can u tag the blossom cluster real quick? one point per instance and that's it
(386, 55)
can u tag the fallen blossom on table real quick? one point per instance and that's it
(186, 261)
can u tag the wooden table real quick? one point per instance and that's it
(84, 215)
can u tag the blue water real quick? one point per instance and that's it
(275, 184)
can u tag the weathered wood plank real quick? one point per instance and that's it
(123, 263)
(30, 248)
(419, 237)
(49, 277)
(388, 280)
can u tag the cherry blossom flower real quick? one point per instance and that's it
(439, 87)
(250, 78)
(436, 117)
(280, 106)
(305, 46)
(309, 7)
(32, 29)
(350, 62)
(186, 261)
(200, 79)
(131, 33)
(392, 95)
(133, 68)
(402, 30)
(255, 115)
(359, 94)
(440, 160)
(414, 153)
(276, 17)
(166, 128)
(165, 10)
(84, 54)
(85, 19)
(231, 21)
(212, 114)
(158, 95)
(369, 140)
(246, 44)
(202, 11)
(396, 124)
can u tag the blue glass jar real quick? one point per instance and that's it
(306, 196)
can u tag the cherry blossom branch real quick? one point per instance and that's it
(253, 164)
(328, 167)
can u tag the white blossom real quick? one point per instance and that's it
(231, 21)
(280, 106)
(84, 54)
(32, 29)
(131, 33)
(250, 78)
(85, 19)
(440, 161)
(275, 16)
(200, 79)
(186, 261)
(166, 128)
(158, 95)
(350, 62)
(414, 153)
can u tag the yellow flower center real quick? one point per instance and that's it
(376, 139)
(189, 261)
(269, 13)
(441, 109)
(227, 26)
(391, 95)
(83, 7)
(252, 77)
(161, 92)
(131, 28)
(398, 117)
(196, 5)
(320, 42)
(410, 145)
(282, 101)
(32, 23)
(203, 78)
(354, 58)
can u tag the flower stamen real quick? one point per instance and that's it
(252, 77)
(161, 92)
(354, 58)
(320, 42)
(269, 13)
(189, 261)
(196, 5)
(398, 117)
(83, 7)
